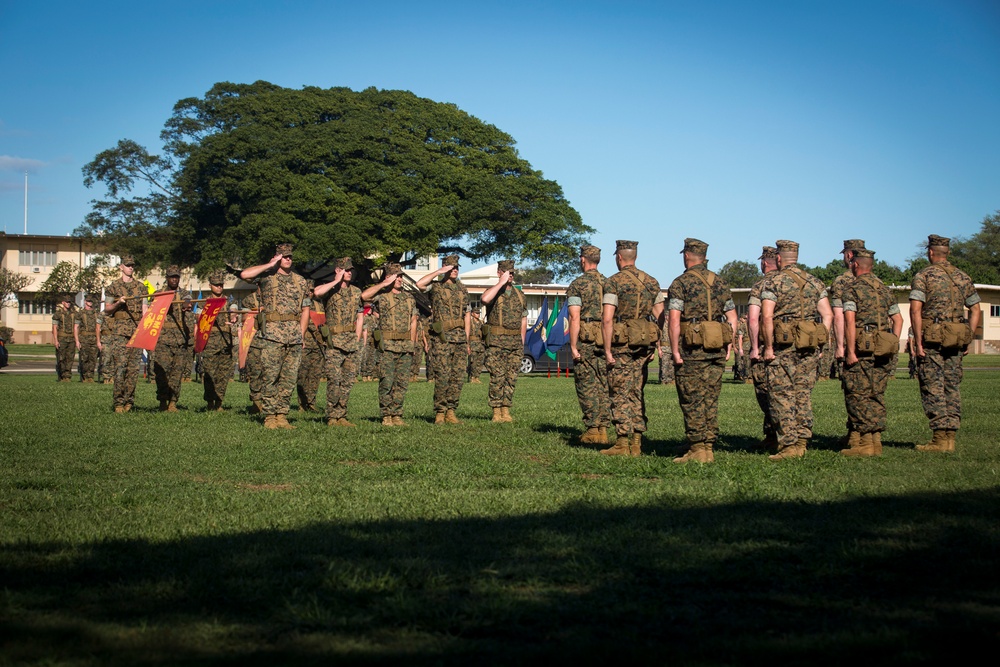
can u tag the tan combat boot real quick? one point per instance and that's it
(939, 443)
(951, 440)
(865, 446)
(620, 448)
(120, 409)
(282, 422)
(171, 406)
(877, 443)
(439, 418)
(700, 452)
(796, 451)
(498, 415)
(387, 421)
(450, 418)
(398, 421)
(594, 436)
(506, 415)
(163, 405)
(853, 443)
(635, 445)
(271, 422)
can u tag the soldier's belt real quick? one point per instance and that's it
(395, 335)
(342, 328)
(448, 325)
(503, 331)
(122, 315)
(91, 334)
(283, 317)
(65, 336)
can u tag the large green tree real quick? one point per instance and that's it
(979, 255)
(376, 174)
(738, 273)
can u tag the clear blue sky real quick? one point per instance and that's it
(735, 122)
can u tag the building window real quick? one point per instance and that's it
(37, 254)
(25, 306)
(108, 260)
(994, 311)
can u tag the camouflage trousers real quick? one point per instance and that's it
(280, 368)
(418, 355)
(590, 375)
(126, 364)
(626, 381)
(699, 383)
(478, 359)
(864, 386)
(170, 364)
(255, 373)
(450, 360)
(109, 362)
(666, 366)
(791, 376)
(341, 373)
(311, 368)
(88, 357)
(218, 371)
(758, 373)
(503, 364)
(393, 381)
(434, 359)
(65, 354)
(940, 374)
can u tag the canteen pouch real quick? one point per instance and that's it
(641, 333)
(809, 335)
(955, 334)
(437, 327)
(886, 343)
(487, 333)
(691, 333)
(784, 333)
(619, 334)
(590, 332)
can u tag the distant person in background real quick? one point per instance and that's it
(62, 337)
(85, 334)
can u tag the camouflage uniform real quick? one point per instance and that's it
(254, 366)
(865, 382)
(311, 367)
(477, 358)
(590, 371)
(105, 362)
(505, 346)
(837, 290)
(666, 356)
(217, 359)
(450, 302)
(758, 369)
(86, 323)
(741, 365)
(123, 324)
(342, 305)
(699, 378)
(396, 350)
(627, 377)
(369, 353)
(945, 293)
(63, 320)
(283, 298)
(174, 353)
(791, 375)
(418, 349)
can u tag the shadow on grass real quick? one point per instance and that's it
(898, 580)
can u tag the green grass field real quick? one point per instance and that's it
(200, 538)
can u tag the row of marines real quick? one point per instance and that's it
(615, 326)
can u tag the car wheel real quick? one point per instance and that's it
(527, 364)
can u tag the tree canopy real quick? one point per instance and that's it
(11, 282)
(740, 274)
(375, 174)
(979, 256)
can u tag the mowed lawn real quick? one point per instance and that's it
(200, 538)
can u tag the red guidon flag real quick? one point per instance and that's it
(319, 319)
(205, 321)
(246, 335)
(151, 324)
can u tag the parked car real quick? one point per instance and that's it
(544, 364)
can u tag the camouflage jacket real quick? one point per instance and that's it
(839, 287)
(871, 301)
(623, 291)
(945, 292)
(178, 325)
(506, 311)
(126, 318)
(342, 305)
(743, 329)
(791, 302)
(283, 298)
(450, 302)
(87, 319)
(689, 295)
(586, 292)
(63, 320)
(395, 312)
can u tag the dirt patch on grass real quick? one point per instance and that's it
(266, 487)
(591, 475)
